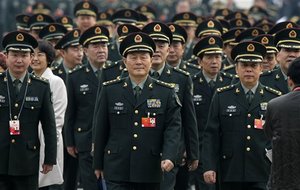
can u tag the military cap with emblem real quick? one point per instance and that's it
(208, 45)
(225, 25)
(66, 21)
(147, 10)
(158, 31)
(178, 32)
(94, 34)
(209, 27)
(222, 13)
(248, 51)
(264, 21)
(38, 21)
(22, 22)
(185, 19)
(125, 29)
(249, 34)
(200, 19)
(142, 20)
(240, 23)
(19, 41)
(282, 25)
(230, 36)
(40, 7)
(69, 39)
(268, 41)
(85, 8)
(266, 27)
(125, 16)
(52, 31)
(288, 38)
(236, 15)
(103, 18)
(257, 13)
(137, 42)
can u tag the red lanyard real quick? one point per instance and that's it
(297, 89)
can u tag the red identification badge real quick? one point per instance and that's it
(148, 122)
(259, 123)
(14, 127)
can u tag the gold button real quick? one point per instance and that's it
(84, 93)
(134, 148)
(118, 112)
(79, 129)
(230, 115)
(248, 137)
(154, 114)
(249, 126)
(136, 111)
(249, 115)
(136, 123)
(248, 149)
(224, 157)
(16, 105)
(15, 117)
(13, 140)
(108, 152)
(34, 147)
(32, 107)
(197, 103)
(135, 135)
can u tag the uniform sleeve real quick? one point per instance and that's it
(172, 128)
(211, 136)
(268, 122)
(101, 130)
(189, 122)
(48, 124)
(96, 109)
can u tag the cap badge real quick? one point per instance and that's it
(76, 34)
(64, 20)
(250, 48)
(127, 14)
(238, 15)
(86, 5)
(40, 6)
(254, 32)
(239, 23)
(157, 28)
(225, 12)
(172, 28)
(292, 34)
(20, 37)
(199, 20)
(144, 9)
(40, 18)
(138, 39)
(237, 32)
(289, 25)
(25, 18)
(52, 28)
(211, 24)
(211, 41)
(264, 40)
(103, 16)
(125, 29)
(98, 30)
(186, 16)
(266, 27)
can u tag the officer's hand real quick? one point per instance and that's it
(72, 151)
(166, 165)
(193, 165)
(46, 168)
(99, 174)
(210, 177)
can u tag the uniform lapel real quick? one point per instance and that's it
(257, 97)
(128, 91)
(280, 83)
(165, 75)
(241, 97)
(91, 75)
(204, 83)
(146, 92)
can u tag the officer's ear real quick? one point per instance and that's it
(124, 60)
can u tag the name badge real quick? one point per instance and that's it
(263, 106)
(84, 87)
(153, 103)
(197, 98)
(231, 109)
(2, 99)
(148, 122)
(31, 99)
(14, 127)
(119, 106)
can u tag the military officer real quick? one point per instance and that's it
(40, 7)
(86, 14)
(177, 49)
(72, 54)
(22, 22)
(66, 21)
(162, 36)
(139, 123)
(82, 89)
(234, 141)
(36, 22)
(288, 44)
(209, 53)
(24, 102)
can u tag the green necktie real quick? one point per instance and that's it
(17, 86)
(249, 96)
(137, 92)
(98, 74)
(155, 75)
(212, 84)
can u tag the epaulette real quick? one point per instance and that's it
(117, 80)
(181, 71)
(266, 73)
(109, 64)
(1, 74)
(34, 77)
(225, 88)
(228, 67)
(227, 75)
(77, 68)
(54, 68)
(272, 90)
(165, 84)
(193, 65)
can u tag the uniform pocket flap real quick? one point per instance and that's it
(33, 145)
(226, 154)
(111, 149)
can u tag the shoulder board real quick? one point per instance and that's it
(34, 77)
(272, 90)
(109, 64)
(77, 68)
(117, 80)
(193, 65)
(181, 71)
(266, 73)
(228, 75)
(54, 68)
(225, 88)
(164, 84)
(228, 67)
(1, 74)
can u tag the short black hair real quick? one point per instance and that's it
(48, 49)
(294, 71)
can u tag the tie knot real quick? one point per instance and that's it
(16, 82)
(155, 75)
(211, 84)
(249, 96)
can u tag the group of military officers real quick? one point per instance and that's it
(151, 105)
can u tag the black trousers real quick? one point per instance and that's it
(8, 182)
(87, 173)
(176, 179)
(243, 186)
(113, 185)
(70, 171)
